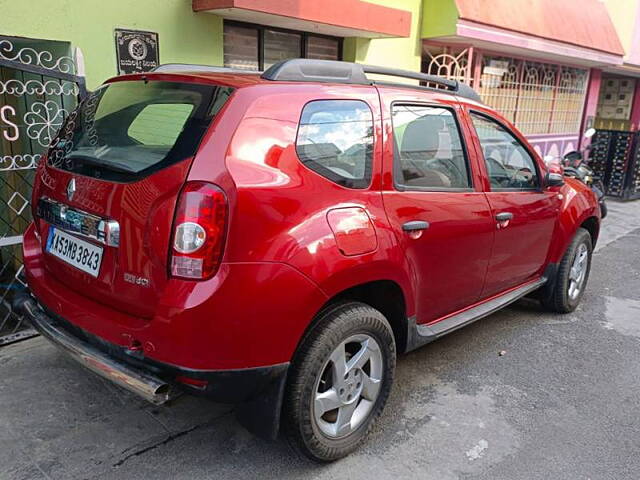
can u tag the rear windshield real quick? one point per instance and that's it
(126, 130)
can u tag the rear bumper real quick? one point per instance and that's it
(154, 381)
(248, 316)
(149, 387)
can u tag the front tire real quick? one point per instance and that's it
(339, 382)
(603, 209)
(572, 275)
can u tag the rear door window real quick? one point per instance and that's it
(335, 139)
(126, 130)
(429, 152)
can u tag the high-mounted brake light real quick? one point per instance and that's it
(199, 230)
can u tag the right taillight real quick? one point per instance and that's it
(198, 231)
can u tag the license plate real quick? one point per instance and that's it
(78, 253)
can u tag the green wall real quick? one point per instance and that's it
(439, 18)
(429, 18)
(390, 52)
(184, 36)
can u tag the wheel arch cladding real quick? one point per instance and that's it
(579, 210)
(386, 296)
(592, 225)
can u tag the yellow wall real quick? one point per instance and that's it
(390, 52)
(624, 14)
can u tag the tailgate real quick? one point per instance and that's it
(110, 184)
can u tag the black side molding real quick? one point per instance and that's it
(419, 334)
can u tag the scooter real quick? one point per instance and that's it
(577, 167)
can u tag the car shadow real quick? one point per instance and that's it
(220, 444)
(87, 427)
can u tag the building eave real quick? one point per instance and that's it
(342, 18)
(508, 42)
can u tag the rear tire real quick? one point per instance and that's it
(572, 275)
(339, 381)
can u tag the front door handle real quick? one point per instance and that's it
(504, 216)
(415, 225)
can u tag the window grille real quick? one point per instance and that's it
(539, 98)
(448, 63)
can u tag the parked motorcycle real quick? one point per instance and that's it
(576, 166)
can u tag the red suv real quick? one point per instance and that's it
(275, 240)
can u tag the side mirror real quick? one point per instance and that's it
(555, 179)
(555, 175)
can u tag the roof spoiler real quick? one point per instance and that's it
(188, 67)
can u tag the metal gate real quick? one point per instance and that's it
(39, 86)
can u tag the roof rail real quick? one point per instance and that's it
(307, 70)
(187, 67)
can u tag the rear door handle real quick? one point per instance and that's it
(415, 225)
(504, 216)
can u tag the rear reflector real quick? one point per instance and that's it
(199, 231)
(187, 267)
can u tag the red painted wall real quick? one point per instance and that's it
(355, 14)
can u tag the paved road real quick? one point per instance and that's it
(562, 403)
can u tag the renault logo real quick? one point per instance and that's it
(71, 188)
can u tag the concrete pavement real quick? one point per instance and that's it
(561, 403)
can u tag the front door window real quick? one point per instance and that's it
(509, 164)
(521, 245)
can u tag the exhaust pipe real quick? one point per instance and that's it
(149, 387)
(19, 304)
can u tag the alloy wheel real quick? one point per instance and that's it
(348, 386)
(578, 271)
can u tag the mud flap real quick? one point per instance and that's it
(551, 274)
(261, 414)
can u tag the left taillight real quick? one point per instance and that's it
(199, 230)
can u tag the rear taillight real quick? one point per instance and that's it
(198, 231)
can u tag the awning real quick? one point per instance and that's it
(580, 32)
(341, 18)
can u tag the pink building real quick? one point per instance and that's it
(541, 63)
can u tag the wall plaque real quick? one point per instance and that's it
(136, 51)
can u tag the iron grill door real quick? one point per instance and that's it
(39, 86)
